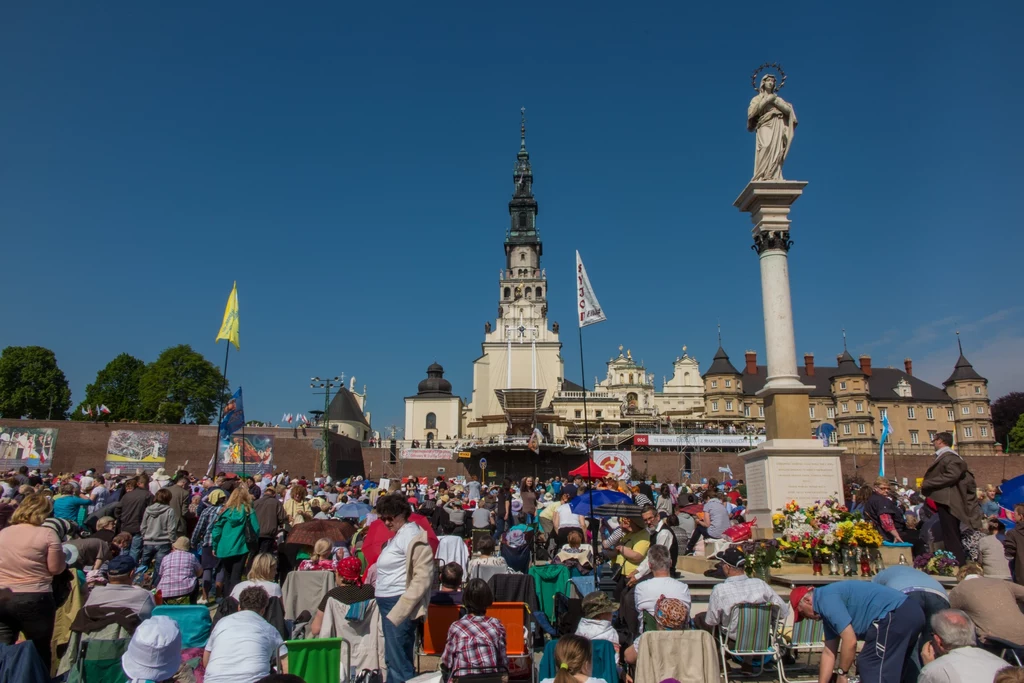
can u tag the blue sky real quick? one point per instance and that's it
(349, 164)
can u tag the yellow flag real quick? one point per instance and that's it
(229, 327)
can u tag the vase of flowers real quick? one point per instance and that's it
(941, 562)
(761, 556)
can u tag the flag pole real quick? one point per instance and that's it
(241, 446)
(220, 409)
(586, 448)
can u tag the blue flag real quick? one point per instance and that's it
(886, 430)
(825, 433)
(233, 417)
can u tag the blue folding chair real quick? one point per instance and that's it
(603, 661)
(193, 620)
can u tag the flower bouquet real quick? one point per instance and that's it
(762, 555)
(941, 562)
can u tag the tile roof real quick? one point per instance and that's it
(963, 370)
(721, 365)
(344, 408)
(847, 367)
(881, 384)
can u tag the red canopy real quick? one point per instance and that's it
(589, 470)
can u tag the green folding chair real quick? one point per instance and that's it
(808, 636)
(324, 660)
(99, 661)
(756, 636)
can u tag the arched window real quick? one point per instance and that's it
(540, 293)
(620, 378)
(529, 292)
(522, 256)
(431, 421)
(631, 378)
(508, 292)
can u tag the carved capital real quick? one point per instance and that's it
(766, 240)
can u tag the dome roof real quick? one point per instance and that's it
(435, 384)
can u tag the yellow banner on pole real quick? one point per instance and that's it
(229, 326)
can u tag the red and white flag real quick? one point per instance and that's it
(104, 410)
(303, 419)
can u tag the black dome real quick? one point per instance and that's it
(435, 384)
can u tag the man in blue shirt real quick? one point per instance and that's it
(928, 593)
(887, 622)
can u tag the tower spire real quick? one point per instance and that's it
(719, 333)
(522, 130)
(844, 340)
(958, 344)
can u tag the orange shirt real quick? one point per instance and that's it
(30, 556)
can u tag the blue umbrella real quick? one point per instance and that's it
(1013, 493)
(581, 504)
(353, 510)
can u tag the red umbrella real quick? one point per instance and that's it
(589, 470)
(377, 535)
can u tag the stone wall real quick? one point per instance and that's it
(83, 445)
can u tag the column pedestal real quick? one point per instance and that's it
(791, 464)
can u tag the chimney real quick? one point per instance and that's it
(809, 364)
(751, 357)
(865, 365)
(908, 365)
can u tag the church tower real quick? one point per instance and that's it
(520, 369)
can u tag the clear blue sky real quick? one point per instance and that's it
(349, 164)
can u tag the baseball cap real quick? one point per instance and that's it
(121, 565)
(795, 596)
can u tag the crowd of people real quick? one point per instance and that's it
(87, 548)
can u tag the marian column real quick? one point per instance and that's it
(790, 464)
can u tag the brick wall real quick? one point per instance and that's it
(83, 445)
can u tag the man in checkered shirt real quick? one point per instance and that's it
(737, 589)
(476, 642)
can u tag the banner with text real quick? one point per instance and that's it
(426, 454)
(616, 463)
(700, 440)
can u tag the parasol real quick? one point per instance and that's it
(308, 533)
(353, 510)
(618, 510)
(589, 470)
(581, 504)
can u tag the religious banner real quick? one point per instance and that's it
(249, 454)
(700, 440)
(588, 308)
(128, 449)
(615, 463)
(426, 454)
(32, 447)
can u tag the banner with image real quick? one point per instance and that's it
(249, 454)
(130, 449)
(32, 447)
(616, 463)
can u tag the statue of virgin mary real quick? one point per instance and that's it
(774, 121)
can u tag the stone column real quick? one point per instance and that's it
(790, 464)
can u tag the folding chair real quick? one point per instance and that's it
(808, 636)
(324, 660)
(650, 623)
(193, 621)
(756, 636)
(1006, 649)
(515, 616)
(496, 676)
(604, 661)
(435, 630)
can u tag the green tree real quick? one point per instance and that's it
(31, 384)
(1005, 412)
(181, 385)
(117, 386)
(1017, 436)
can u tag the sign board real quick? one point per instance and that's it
(918, 482)
(616, 463)
(465, 454)
(385, 484)
(426, 454)
(492, 474)
(483, 463)
(700, 440)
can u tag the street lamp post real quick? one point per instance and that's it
(326, 385)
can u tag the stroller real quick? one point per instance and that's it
(517, 547)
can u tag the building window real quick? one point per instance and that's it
(845, 407)
(728, 405)
(579, 414)
(981, 410)
(334, 428)
(984, 431)
(746, 411)
(728, 383)
(861, 429)
(508, 293)
(977, 390)
(714, 384)
(860, 406)
(931, 435)
(842, 385)
(950, 415)
(598, 414)
(760, 411)
(714, 406)
(883, 412)
(830, 412)
(914, 438)
(540, 292)
(812, 412)
(966, 410)
(911, 415)
(522, 220)
(929, 413)
(431, 421)
(846, 428)
(968, 432)
(833, 437)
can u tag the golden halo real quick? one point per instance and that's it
(769, 65)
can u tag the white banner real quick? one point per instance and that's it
(587, 305)
(616, 463)
(426, 454)
(700, 440)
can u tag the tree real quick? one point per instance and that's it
(31, 384)
(117, 386)
(1005, 412)
(181, 385)
(1017, 436)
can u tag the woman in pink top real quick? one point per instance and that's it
(30, 556)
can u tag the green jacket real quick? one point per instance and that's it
(229, 535)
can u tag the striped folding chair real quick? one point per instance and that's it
(756, 636)
(808, 636)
